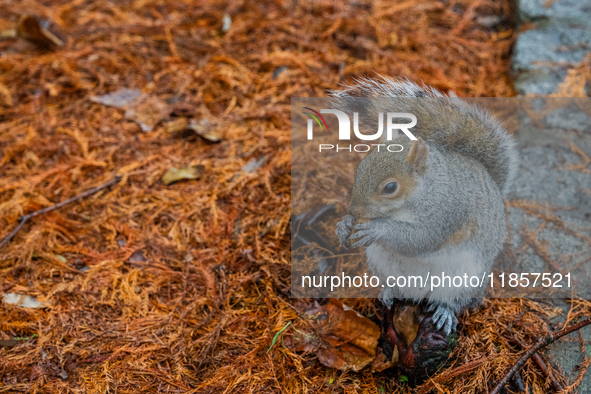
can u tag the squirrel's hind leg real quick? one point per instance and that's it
(444, 318)
(387, 302)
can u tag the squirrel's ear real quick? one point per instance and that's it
(417, 157)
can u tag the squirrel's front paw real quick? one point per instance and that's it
(366, 233)
(444, 318)
(344, 228)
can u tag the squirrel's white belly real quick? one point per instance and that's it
(451, 261)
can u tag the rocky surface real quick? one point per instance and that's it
(549, 175)
(560, 38)
(557, 11)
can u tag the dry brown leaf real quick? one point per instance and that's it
(176, 125)
(24, 301)
(137, 257)
(178, 174)
(8, 33)
(342, 338)
(34, 31)
(405, 322)
(381, 362)
(147, 111)
(208, 129)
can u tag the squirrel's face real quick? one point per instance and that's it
(384, 180)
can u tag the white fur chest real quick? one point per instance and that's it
(452, 261)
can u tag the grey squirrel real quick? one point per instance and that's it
(438, 205)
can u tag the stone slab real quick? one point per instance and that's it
(544, 155)
(568, 12)
(542, 57)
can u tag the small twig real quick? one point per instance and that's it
(87, 193)
(583, 347)
(7, 287)
(540, 362)
(544, 341)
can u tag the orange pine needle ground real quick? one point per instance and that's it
(181, 288)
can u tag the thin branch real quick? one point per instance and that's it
(87, 193)
(544, 341)
(540, 362)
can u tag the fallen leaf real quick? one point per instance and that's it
(23, 300)
(36, 32)
(147, 111)
(278, 71)
(253, 165)
(137, 257)
(176, 125)
(488, 20)
(342, 338)
(62, 374)
(210, 130)
(381, 362)
(8, 33)
(227, 23)
(406, 323)
(119, 99)
(8, 342)
(302, 342)
(178, 174)
(418, 348)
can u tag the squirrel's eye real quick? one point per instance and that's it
(390, 188)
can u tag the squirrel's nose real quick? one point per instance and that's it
(355, 210)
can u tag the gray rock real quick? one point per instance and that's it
(566, 352)
(545, 154)
(536, 49)
(568, 12)
(569, 119)
(560, 40)
(541, 57)
(538, 82)
(543, 178)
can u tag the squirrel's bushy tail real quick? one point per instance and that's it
(448, 122)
